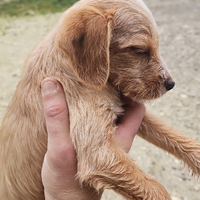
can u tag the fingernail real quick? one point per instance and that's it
(48, 87)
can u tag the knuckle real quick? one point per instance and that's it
(54, 111)
(63, 155)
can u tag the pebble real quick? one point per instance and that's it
(183, 96)
(174, 168)
(14, 75)
(175, 198)
(177, 161)
(4, 104)
(184, 178)
(197, 187)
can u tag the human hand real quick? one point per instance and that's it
(60, 164)
(129, 123)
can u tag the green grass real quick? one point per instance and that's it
(32, 7)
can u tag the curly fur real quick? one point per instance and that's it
(98, 50)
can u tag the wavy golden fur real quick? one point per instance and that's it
(99, 50)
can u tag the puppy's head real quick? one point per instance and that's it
(136, 66)
(117, 42)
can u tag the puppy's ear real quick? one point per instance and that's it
(85, 38)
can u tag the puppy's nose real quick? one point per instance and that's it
(169, 84)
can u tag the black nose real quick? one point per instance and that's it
(169, 84)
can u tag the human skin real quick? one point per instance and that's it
(60, 164)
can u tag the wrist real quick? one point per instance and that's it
(49, 197)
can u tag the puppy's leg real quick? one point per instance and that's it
(162, 135)
(103, 165)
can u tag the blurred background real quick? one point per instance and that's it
(23, 23)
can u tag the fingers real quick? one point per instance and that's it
(55, 107)
(60, 166)
(129, 124)
(60, 150)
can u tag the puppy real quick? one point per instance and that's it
(98, 50)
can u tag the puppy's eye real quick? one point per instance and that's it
(139, 50)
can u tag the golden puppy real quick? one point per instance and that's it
(98, 50)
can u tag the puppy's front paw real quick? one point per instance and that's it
(158, 193)
(150, 189)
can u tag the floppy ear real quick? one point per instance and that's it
(85, 38)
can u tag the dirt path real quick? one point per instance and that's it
(180, 107)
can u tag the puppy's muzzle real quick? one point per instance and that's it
(169, 84)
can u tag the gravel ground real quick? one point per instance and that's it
(180, 42)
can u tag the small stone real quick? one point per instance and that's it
(4, 104)
(176, 161)
(144, 148)
(179, 37)
(197, 187)
(183, 96)
(174, 168)
(183, 177)
(161, 113)
(175, 198)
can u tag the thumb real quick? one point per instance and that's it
(60, 150)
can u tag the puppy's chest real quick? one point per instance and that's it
(101, 107)
(109, 107)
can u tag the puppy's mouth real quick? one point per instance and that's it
(149, 93)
